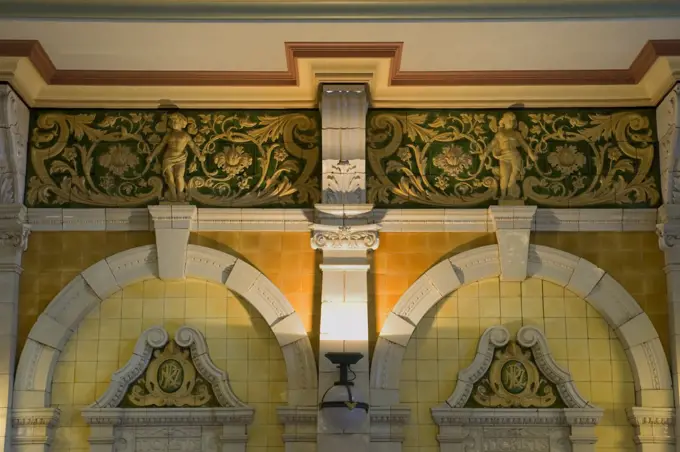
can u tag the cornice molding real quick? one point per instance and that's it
(35, 52)
(343, 9)
(29, 69)
(301, 220)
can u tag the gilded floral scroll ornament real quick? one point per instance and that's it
(556, 159)
(109, 159)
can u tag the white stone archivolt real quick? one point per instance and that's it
(653, 384)
(60, 319)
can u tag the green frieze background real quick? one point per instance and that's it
(230, 158)
(555, 158)
(416, 158)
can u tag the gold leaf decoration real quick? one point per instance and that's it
(552, 159)
(514, 381)
(170, 380)
(216, 158)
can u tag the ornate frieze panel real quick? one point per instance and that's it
(137, 158)
(514, 397)
(565, 158)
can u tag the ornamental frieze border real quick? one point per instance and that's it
(136, 158)
(561, 158)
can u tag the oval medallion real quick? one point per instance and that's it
(170, 376)
(514, 376)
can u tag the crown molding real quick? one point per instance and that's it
(28, 68)
(342, 9)
(35, 52)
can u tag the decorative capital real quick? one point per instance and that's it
(34, 425)
(354, 238)
(15, 238)
(652, 425)
(669, 235)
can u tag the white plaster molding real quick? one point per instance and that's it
(669, 235)
(295, 219)
(155, 338)
(34, 426)
(529, 337)
(653, 427)
(536, 428)
(172, 225)
(299, 423)
(357, 238)
(74, 302)
(387, 423)
(14, 227)
(668, 132)
(344, 182)
(650, 367)
(513, 227)
(194, 429)
(343, 121)
(151, 339)
(224, 425)
(14, 119)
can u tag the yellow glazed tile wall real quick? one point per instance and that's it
(239, 341)
(403, 257)
(53, 259)
(632, 258)
(286, 258)
(446, 339)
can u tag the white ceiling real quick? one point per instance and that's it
(428, 46)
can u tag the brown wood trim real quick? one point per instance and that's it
(297, 50)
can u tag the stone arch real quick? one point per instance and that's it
(653, 384)
(62, 316)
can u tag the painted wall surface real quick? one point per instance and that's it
(446, 340)
(239, 340)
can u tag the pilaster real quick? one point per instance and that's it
(344, 233)
(668, 227)
(14, 231)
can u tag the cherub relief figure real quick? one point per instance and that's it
(505, 148)
(173, 166)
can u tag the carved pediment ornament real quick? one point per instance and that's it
(521, 373)
(163, 373)
(515, 397)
